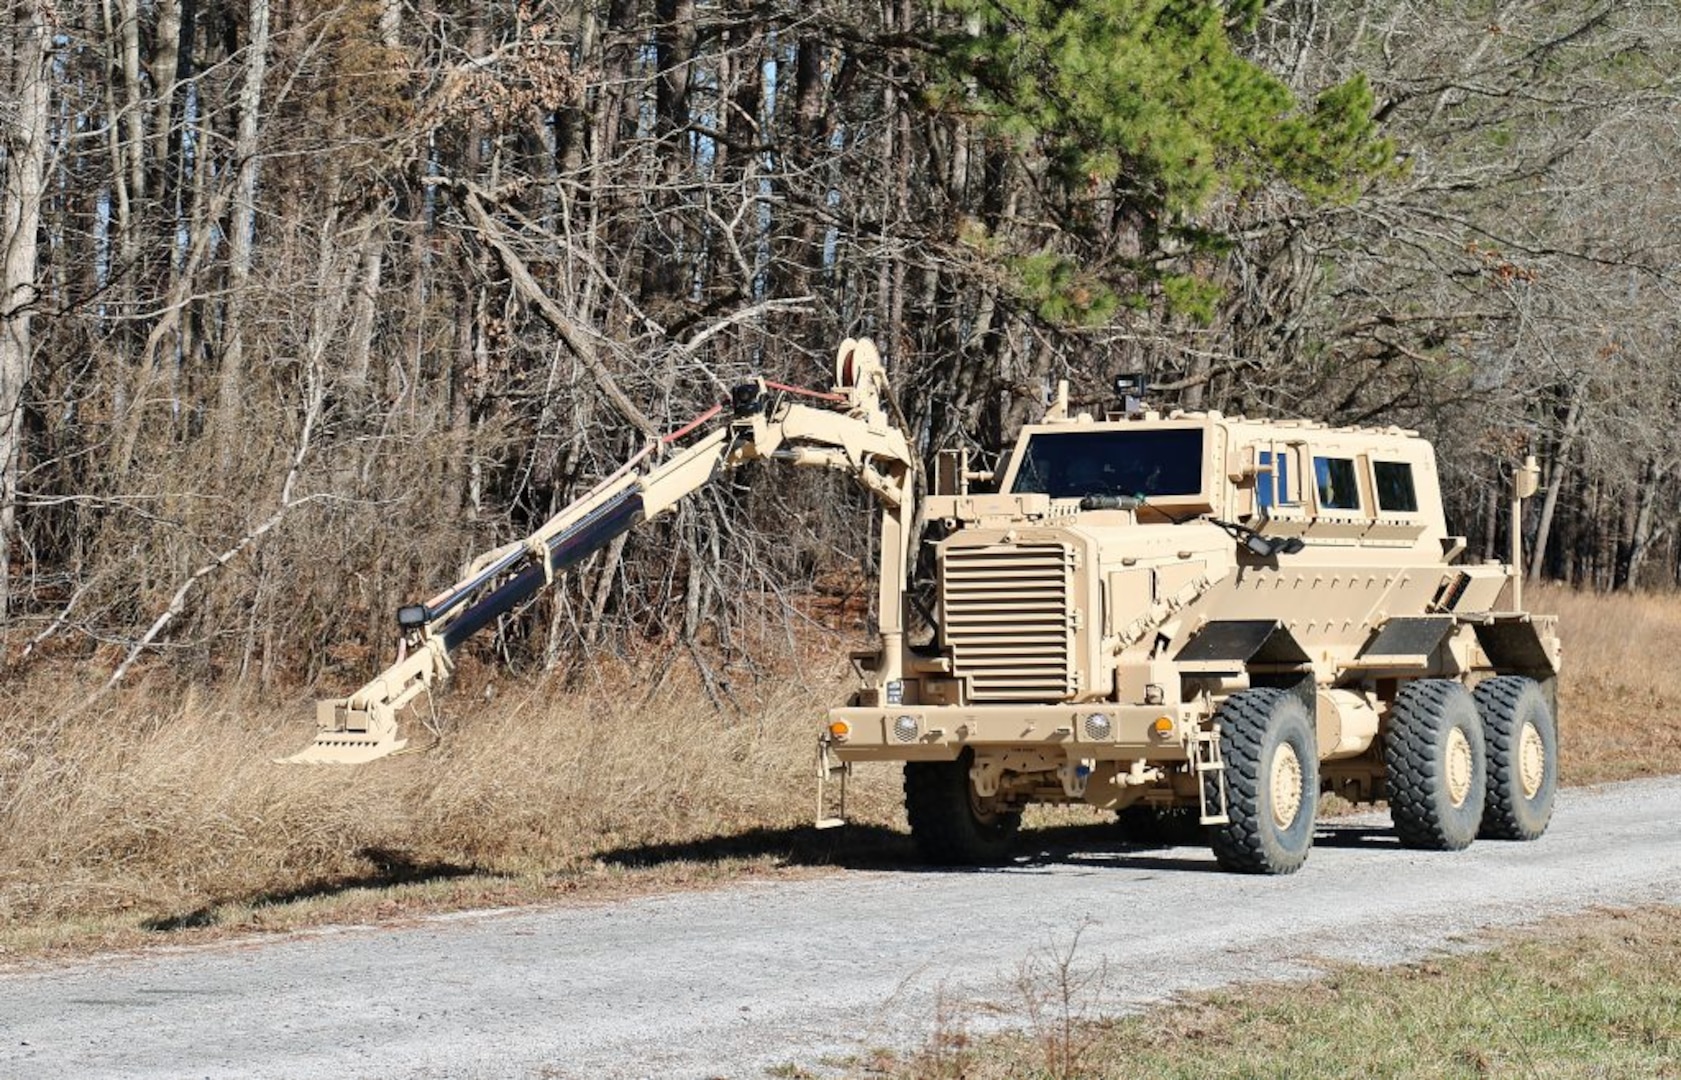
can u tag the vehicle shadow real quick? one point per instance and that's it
(1097, 847)
(1102, 849)
(1333, 835)
(855, 847)
(874, 847)
(389, 867)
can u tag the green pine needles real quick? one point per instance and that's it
(1139, 113)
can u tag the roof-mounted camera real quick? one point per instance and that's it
(1130, 388)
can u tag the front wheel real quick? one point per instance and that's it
(1271, 754)
(950, 824)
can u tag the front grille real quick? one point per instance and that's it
(1006, 617)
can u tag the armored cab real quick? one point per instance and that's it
(1209, 619)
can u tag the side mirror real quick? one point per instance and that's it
(1268, 547)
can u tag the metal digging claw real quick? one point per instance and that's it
(347, 736)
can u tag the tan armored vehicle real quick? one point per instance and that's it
(1185, 618)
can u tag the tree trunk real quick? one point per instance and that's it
(232, 381)
(801, 243)
(1555, 480)
(364, 308)
(1488, 517)
(669, 250)
(20, 220)
(134, 116)
(174, 59)
(1646, 531)
(124, 159)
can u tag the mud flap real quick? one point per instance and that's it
(1230, 645)
(1403, 643)
(1516, 646)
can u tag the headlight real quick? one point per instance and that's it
(1098, 727)
(906, 729)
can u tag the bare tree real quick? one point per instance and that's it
(25, 137)
(511, 243)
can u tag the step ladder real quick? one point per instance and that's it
(1205, 755)
(831, 775)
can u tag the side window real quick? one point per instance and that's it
(1338, 488)
(1395, 493)
(1272, 489)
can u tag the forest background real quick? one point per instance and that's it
(303, 303)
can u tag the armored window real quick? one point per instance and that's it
(1395, 493)
(1273, 488)
(1338, 488)
(1068, 465)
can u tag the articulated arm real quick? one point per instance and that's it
(855, 437)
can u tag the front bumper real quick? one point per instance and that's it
(943, 731)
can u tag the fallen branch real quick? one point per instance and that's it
(178, 602)
(797, 304)
(56, 624)
(570, 335)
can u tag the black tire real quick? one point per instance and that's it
(1271, 752)
(1522, 770)
(950, 825)
(1159, 826)
(1434, 762)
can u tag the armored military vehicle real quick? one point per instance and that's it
(1183, 617)
(1213, 619)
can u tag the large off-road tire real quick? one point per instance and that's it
(1271, 753)
(1522, 757)
(1434, 764)
(950, 824)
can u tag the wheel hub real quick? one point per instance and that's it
(1532, 760)
(1459, 762)
(1286, 785)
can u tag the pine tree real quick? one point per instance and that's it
(1134, 115)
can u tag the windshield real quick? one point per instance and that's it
(1069, 465)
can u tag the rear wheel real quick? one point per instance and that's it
(950, 824)
(1522, 757)
(1434, 760)
(1271, 754)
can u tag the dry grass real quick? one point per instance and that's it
(158, 812)
(1589, 996)
(1618, 695)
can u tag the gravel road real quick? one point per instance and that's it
(733, 982)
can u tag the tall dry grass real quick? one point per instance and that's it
(1620, 690)
(158, 804)
(161, 806)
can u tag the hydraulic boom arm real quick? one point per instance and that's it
(855, 437)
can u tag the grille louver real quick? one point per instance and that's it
(1008, 623)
